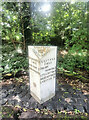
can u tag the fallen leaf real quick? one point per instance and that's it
(46, 113)
(18, 106)
(37, 110)
(24, 110)
(8, 74)
(67, 100)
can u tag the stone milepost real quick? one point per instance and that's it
(42, 72)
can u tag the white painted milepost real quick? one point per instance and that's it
(42, 72)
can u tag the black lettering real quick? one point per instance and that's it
(42, 67)
(46, 66)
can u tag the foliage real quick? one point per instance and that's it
(68, 28)
(10, 25)
(12, 60)
(72, 61)
(14, 56)
(64, 25)
(76, 111)
(14, 24)
(42, 28)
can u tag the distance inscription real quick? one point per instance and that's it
(34, 65)
(48, 75)
(47, 67)
(48, 70)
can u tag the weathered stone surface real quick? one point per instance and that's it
(67, 95)
(63, 89)
(33, 103)
(71, 91)
(28, 95)
(0, 96)
(78, 91)
(10, 91)
(10, 95)
(75, 96)
(29, 114)
(26, 104)
(70, 108)
(4, 101)
(59, 102)
(19, 104)
(82, 96)
(5, 88)
(50, 107)
(73, 100)
(57, 88)
(4, 95)
(26, 98)
(42, 64)
(12, 102)
(66, 88)
(23, 94)
(80, 101)
(60, 107)
(87, 107)
(18, 90)
(68, 100)
(87, 96)
(11, 86)
(58, 94)
(62, 100)
(79, 107)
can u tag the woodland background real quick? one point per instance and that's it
(66, 25)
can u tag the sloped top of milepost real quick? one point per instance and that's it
(41, 51)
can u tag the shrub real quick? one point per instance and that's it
(71, 62)
(12, 61)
